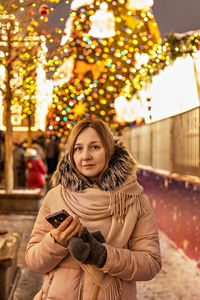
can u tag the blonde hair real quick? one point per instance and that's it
(102, 130)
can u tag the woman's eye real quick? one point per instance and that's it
(77, 148)
(95, 147)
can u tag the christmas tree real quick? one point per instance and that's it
(102, 49)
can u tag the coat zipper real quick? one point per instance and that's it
(45, 295)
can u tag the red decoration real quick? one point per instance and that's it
(31, 12)
(43, 10)
(10, 62)
(57, 41)
(44, 32)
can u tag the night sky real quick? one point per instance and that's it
(177, 15)
(171, 15)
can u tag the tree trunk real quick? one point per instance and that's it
(9, 173)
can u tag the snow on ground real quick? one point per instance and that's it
(179, 278)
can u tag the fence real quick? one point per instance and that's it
(171, 144)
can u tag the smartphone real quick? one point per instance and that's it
(57, 218)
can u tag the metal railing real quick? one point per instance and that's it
(171, 144)
(186, 136)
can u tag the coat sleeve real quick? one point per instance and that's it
(42, 253)
(142, 260)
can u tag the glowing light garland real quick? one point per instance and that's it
(101, 68)
(24, 53)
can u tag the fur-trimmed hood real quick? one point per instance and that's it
(120, 167)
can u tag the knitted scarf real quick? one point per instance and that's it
(115, 214)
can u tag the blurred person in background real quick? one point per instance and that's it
(40, 151)
(1, 155)
(39, 138)
(19, 163)
(36, 169)
(52, 153)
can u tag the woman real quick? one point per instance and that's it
(95, 182)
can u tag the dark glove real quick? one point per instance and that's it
(98, 236)
(87, 248)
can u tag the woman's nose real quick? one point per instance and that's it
(86, 154)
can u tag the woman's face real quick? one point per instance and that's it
(89, 154)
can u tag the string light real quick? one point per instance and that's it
(79, 79)
(29, 52)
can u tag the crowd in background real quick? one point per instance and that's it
(33, 164)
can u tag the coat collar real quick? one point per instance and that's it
(121, 166)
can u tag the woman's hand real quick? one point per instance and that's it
(66, 230)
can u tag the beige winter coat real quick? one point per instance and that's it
(64, 279)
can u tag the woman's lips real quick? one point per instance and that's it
(88, 166)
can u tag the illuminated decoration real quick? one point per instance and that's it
(140, 4)
(64, 72)
(80, 109)
(44, 92)
(102, 22)
(107, 43)
(129, 111)
(81, 68)
(35, 98)
(181, 73)
(16, 114)
(180, 44)
(44, 11)
(78, 3)
(182, 95)
(141, 59)
(67, 31)
(130, 22)
(101, 69)
(21, 58)
(154, 31)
